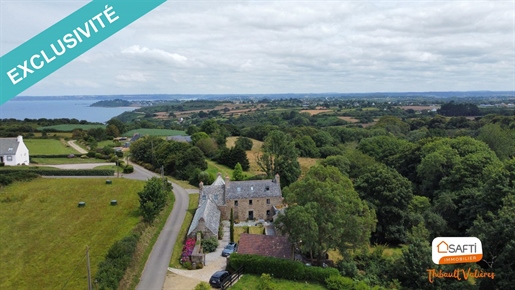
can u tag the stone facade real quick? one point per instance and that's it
(250, 199)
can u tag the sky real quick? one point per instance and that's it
(260, 47)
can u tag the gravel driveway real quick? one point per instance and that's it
(179, 279)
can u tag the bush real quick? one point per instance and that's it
(111, 270)
(187, 250)
(200, 266)
(347, 268)
(202, 286)
(209, 245)
(188, 265)
(2, 164)
(280, 268)
(221, 231)
(265, 282)
(338, 282)
(91, 154)
(8, 177)
(128, 169)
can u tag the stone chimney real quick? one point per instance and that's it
(219, 173)
(277, 179)
(201, 185)
(19, 139)
(227, 179)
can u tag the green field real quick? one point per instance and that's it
(47, 147)
(70, 127)
(44, 233)
(154, 132)
(252, 282)
(213, 168)
(54, 161)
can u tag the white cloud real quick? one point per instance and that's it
(287, 46)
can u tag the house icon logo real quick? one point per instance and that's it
(442, 247)
(456, 250)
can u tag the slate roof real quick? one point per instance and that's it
(211, 214)
(215, 191)
(268, 246)
(252, 189)
(6, 144)
(179, 138)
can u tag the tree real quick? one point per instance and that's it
(326, 213)
(338, 161)
(152, 198)
(501, 141)
(198, 136)
(495, 230)
(237, 174)
(208, 146)
(244, 142)
(279, 157)
(306, 147)
(120, 126)
(389, 194)
(231, 226)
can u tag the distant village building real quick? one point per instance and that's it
(179, 138)
(13, 151)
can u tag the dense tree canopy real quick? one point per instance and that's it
(326, 213)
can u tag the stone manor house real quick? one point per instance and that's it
(250, 200)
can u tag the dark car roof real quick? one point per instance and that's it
(219, 273)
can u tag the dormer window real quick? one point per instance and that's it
(239, 189)
(203, 197)
(267, 188)
(10, 149)
(252, 188)
(216, 196)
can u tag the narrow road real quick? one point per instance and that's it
(77, 147)
(154, 274)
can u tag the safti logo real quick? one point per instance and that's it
(456, 250)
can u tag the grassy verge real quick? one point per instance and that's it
(146, 242)
(213, 168)
(54, 161)
(48, 233)
(184, 184)
(179, 244)
(251, 282)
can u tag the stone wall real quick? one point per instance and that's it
(258, 206)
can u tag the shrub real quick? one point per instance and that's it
(128, 169)
(338, 282)
(280, 268)
(221, 231)
(2, 164)
(187, 250)
(200, 266)
(209, 245)
(202, 286)
(188, 265)
(265, 282)
(91, 154)
(111, 270)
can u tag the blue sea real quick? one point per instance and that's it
(53, 109)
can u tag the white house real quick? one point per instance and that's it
(13, 151)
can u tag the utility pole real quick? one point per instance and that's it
(90, 286)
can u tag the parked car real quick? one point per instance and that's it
(229, 249)
(217, 279)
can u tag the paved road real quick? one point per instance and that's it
(154, 274)
(76, 147)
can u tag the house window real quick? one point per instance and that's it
(250, 201)
(10, 149)
(252, 188)
(268, 212)
(239, 189)
(267, 201)
(216, 196)
(9, 158)
(235, 203)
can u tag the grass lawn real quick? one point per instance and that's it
(213, 168)
(44, 233)
(53, 161)
(48, 147)
(252, 282)
(252, 230)
(181, 238)
(70, 127)
(154, 132)
(104, 143)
